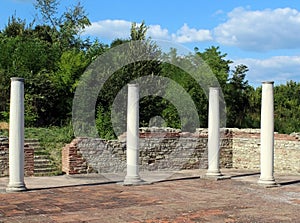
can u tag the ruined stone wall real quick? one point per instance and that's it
(160, 149)
(169, 149)
(4, 158)
(246, 151)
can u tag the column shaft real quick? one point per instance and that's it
(16, 136)
(267, 134)
(132, 141)
(214, 132)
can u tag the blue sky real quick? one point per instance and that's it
(264, 35)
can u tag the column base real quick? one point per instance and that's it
(18, 187)
(133, 180)
(267, 181)
(213, 173)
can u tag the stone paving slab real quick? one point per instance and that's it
(173, 197)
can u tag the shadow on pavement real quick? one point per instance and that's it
(244, 175)
(73, 185)
(178, 179)
(289, 182)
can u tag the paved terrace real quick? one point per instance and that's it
(173, 197)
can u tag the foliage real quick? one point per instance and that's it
(238, 100)
(52, 56)
(287, 109)
(65, 28)
(103, 123)
(217, 63)
(190, 85)
(125, 75)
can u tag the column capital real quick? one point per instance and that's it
(214, 88)
(267, 82)
(133, 85)
(17, 79)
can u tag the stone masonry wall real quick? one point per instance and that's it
(170, 149)
(246, 151)
(160, 149)
(4, 156)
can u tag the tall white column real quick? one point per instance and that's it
(16, 136)
(132, 142)
(267, 135)
(213, 132)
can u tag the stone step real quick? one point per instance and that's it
(41, 156)
(42, 164)
(36, 146)
(45, 170)
(31, 141)
(43, 160)
(54, 173)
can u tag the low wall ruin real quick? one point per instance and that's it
(167, 149)
(170, 149)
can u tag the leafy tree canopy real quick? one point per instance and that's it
(52, 56)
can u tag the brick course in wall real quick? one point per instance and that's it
(4, 158)
(28, 160)
(170, 149)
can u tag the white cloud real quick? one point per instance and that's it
(187, 35)
(112, 29)
(109, 29)
(218, 12)
(278, 68)
(260, 30)
(156, 32)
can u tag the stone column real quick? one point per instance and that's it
(132, 141)
(16, 136)
(214, 133)
(267, 135)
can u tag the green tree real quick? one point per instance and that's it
(124, 76)
(253, 115)
(287, 109)
(237, 98)
(189, 84)
(51, 57)
(25, 57)
(66, 28)
(15, 27)
(217, 63)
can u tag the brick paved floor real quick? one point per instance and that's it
(188, 200)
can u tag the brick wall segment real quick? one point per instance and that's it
(4, 158)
